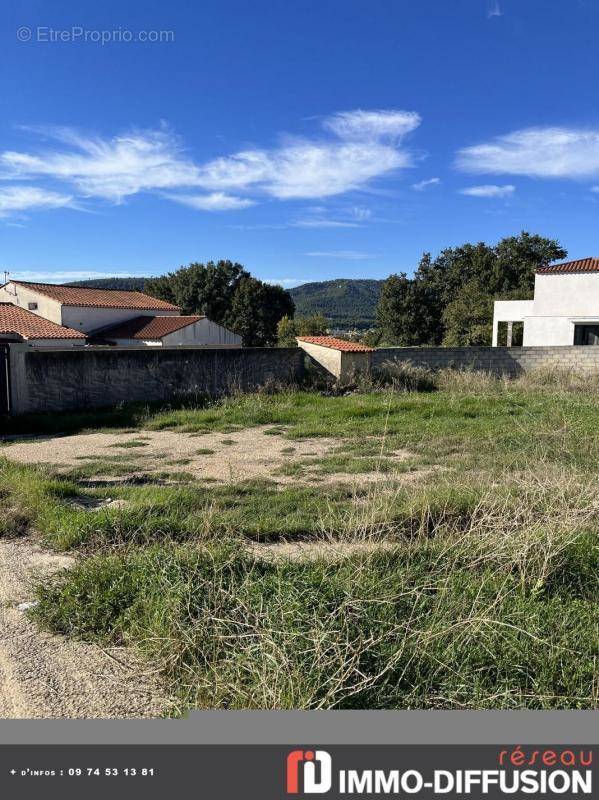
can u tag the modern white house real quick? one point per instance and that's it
(564, 311)
(82, 315)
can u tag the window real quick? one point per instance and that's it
(32, 306)
(586, 334)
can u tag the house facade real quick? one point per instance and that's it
(564, 311)
(112, 317)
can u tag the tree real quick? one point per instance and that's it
(450, 298)
(407, 312)
(290, 328)
(200, 288)
(228, 295)
(468, 319)
(255, 311)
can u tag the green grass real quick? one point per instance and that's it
(484, 595)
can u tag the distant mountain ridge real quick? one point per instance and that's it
(345, 302)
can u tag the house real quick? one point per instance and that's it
(19, 325)
(169, 331)
(113, 316)
(564, 311)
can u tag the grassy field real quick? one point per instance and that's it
(462, 575)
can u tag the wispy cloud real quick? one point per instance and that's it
(536, 152)
(595, 189)
(494, 10)
(323, 217)
(348, 255)
(17, 199)
(489, 190)
(363, 146)
(422, 185)
(217, 201)
(349, 151)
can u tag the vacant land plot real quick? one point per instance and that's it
(384, 549)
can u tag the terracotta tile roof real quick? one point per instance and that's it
(336, 344)
(582, 265)
(99, 298)
(29, 326)
(147, 327)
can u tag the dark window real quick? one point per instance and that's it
(586, 334)
(32, 306)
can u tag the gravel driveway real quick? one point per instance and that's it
(42, 675)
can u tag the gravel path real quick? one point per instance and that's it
(42, 675)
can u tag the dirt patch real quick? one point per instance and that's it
(171, 456)
(42, 675)
(244, 454)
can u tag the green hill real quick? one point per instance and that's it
(125, 284)
(346, 302)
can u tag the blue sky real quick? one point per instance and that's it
(307, 140)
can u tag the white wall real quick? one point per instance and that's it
(21, 296)
(203, 332)
(92, 319)
(325, 356)
(571, 295)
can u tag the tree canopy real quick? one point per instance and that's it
(449, 300)
(289, 328)
(228, 295)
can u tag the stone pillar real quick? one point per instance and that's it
(508, 342)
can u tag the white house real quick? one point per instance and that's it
(169, 331)
(564, 311)
(113, 316)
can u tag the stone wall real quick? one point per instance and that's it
(499, 360)
(60, 380)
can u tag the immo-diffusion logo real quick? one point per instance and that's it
(309, 771)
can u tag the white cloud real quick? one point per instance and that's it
(110, 169)
(489, 190)
(15, 199)
(353, 148)
(350, 255)
(217, 201)
(536, 152)
(595, 189)
(495, 10)
(421, 185)
(368, 125)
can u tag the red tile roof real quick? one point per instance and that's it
(336, 344)
(582, 265)
(15, 320)
(148, 327)
(98, 298)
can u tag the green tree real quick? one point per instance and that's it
(200, 288)
(450, 298)
(228, 295)
(468, 319)
(291, 327)
(407, 312)
(255, 311)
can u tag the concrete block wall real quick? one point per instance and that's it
(499, 360)
(60, 380)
